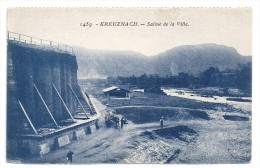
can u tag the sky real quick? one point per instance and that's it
(226, 26)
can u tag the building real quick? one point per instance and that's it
(116, 92)
(137, 93)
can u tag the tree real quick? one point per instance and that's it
(211, 77)
(183, 79)
(244, 77)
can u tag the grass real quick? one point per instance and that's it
(140, 115)
(166, 101)
(239, 99)
(235, 118)
(177, 132)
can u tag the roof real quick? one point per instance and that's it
(110, 88)
(114, 88)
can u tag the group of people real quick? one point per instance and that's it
(116, 121)
(120, 123)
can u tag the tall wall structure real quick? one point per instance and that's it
(30, 66)
(46, 109)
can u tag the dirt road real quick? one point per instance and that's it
(106, 145)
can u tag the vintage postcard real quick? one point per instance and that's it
(129, 85)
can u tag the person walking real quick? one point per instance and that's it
(161, 122)
(70, 155)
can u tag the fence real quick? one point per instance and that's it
(40, 42)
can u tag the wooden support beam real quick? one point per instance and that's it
(64, 104)
(27, 117)
(87, 100)
(78, 100)
(45, 105)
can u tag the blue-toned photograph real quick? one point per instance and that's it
(129, 85)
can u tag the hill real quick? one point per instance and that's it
(104, 63)
(191, 59)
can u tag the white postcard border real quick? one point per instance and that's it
(143, 3)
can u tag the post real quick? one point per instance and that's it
(64, 104)
(27, 117)
(31, 40)
(19, 37)
(78, 100)
(41, 41)
(39, 94)
(87, 100)
(51, 43)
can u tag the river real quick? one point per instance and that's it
(188, 94)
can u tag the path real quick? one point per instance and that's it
(106, 145)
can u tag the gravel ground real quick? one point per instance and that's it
(216, 141)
